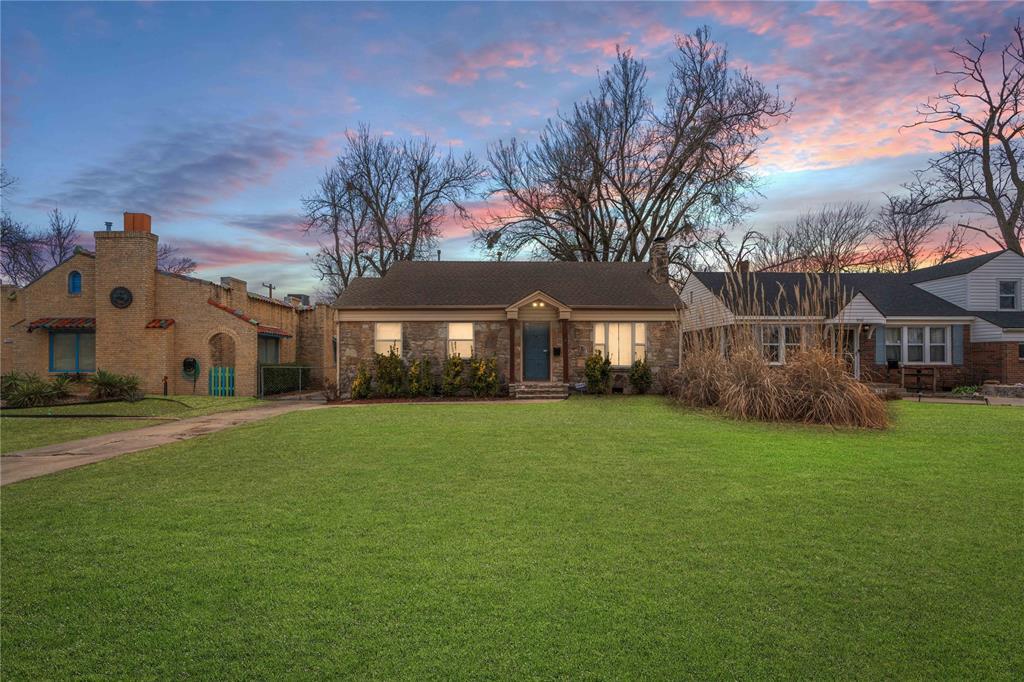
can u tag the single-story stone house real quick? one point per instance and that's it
(959, 323)
(113, 309)
(540, 320)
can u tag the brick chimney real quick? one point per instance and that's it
(659, 261)
(138, 222)
(237, 292)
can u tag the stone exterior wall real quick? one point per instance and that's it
(982, 361)
(125, 345)
(491, 339)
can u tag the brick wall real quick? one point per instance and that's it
(124, 345)
(982, 361)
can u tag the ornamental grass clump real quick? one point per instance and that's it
(698, 381)
(111, 386)
(31, 391)
(821, 391)
(751, 389)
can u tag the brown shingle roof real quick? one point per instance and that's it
(432, 284)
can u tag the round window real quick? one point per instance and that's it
(120, 297)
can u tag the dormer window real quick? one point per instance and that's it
(75, 283)
(1009, 294)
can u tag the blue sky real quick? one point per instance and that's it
(216, 118)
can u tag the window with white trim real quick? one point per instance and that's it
(918, 345)
(937, 343)
(621, 342)
(387, 335)
(770, 344)
(460, 339)
(1020, 351)
(915, 344)
(1009, 294)
(894, 344)
(779, 341)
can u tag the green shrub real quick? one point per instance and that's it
(361, 384)
(598, 371)
(391, 374)
(640, 376)
(965, 390)
(421, 382)
(452, 380)
(110, 386)
(286, 378)
(483, 377)
(10, 381)
(31, 391)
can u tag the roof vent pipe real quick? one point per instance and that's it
(109, 225)
(439, 255)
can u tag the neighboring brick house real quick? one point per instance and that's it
(539, 320)
(961, 322)
(112, 309)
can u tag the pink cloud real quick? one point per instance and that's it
(424, 90)
(513, 54)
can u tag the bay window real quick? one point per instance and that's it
(918, 345)
(387, 336)
(460, 339)
(621, 342)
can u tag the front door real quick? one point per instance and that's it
(536, 341)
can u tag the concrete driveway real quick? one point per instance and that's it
(18, 466)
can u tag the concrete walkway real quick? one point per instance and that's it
(18, 466)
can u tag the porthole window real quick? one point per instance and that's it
(75, 283)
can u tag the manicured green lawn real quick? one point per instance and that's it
(609, 538)
(20, 434)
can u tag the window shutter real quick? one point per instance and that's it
(958, 344)
(879, 344)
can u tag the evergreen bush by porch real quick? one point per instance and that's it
(598, 371)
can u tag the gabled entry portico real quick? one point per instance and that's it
(538, 339)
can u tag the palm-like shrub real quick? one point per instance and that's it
(110, 386)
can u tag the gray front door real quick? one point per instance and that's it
(535, 351)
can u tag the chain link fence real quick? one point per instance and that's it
(284, 379)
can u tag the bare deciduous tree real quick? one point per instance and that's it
(384, 201)
(25, 254)
(604, 181)
(341, 221)
(835, 238)
(905, 234)
(169, 259)
(984, 116)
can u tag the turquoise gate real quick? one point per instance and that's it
(222, 381)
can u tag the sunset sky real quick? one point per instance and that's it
(217, 118)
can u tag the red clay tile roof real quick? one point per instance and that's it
(160, 323)
(63, 323)
(272, 331)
